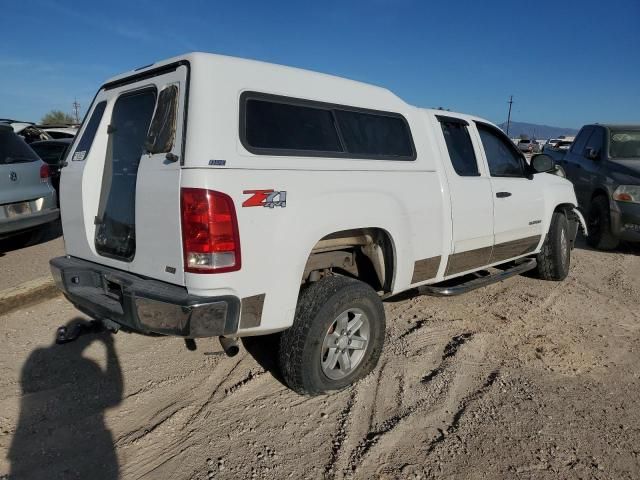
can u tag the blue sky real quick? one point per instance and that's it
(566, 62)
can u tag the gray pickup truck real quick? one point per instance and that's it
(27, 199)
(604, 166)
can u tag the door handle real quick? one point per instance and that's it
(503, 194)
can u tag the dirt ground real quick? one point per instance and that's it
(521, 380)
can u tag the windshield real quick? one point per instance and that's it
(13, 149)
(625, 144)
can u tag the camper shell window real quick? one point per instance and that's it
(285, 126)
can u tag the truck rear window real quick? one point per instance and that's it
(283, 126)
(13, 149)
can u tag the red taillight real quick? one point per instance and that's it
(44, 171)
(210, 237)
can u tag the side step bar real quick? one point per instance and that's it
(434, 290)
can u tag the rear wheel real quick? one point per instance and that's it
(336, 337)
(599, 219)
(555, 257)
(23, 239)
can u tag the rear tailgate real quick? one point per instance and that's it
(120, 192)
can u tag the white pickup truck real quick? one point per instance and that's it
(213, 196)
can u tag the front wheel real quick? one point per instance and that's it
(555, 257)
(599, 219)
(336, 337)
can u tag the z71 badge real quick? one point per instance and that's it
(265, 198)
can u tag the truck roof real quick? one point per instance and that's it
(237, 74)
(620, 126)
(257, 66)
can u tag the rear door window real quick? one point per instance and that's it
(461, 153)
(115, 232)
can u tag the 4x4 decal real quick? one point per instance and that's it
(265, 198)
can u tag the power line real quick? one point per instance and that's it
(510, 102)
(76, 110)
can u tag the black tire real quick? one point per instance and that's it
(554, 259)
(599, 225)
(23, 239)
(319, 306)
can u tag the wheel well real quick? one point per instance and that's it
(574, 222)
(563, 207)
(363, 253)
(598, 192)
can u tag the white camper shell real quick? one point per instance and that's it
(214, 196)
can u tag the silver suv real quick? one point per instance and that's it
(27, 199)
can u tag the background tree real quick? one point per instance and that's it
(56, 117)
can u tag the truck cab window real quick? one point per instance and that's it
(460, 148)
(503, 160)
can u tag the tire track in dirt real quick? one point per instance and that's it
(375, 436)
(340, 436)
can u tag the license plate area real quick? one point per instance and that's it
(17, 209)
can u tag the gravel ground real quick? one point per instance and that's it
(525, 379)
(20, 263)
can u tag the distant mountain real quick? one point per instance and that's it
(539, 132)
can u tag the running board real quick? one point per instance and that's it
(452, 291)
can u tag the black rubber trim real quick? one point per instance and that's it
(87, 285)
(446, 119)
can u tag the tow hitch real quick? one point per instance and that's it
(69, 333)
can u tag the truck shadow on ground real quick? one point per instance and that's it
(626, 248)
(61, 431)
(264, 350)
(31, 238)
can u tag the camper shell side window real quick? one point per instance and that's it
(285, 126)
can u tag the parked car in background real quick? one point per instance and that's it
(53, 153)
(552, 142)
(27, 199)
(557, 150)
(604, 165)
(27, 130)
(60, 131)
(527, 145)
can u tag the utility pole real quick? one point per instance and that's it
(509, 116)
(76, 110)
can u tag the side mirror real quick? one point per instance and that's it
(542, 163)
(592, 154)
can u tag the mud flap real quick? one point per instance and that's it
(576, 221)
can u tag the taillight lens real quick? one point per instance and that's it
(44, 172)
(210, 237)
